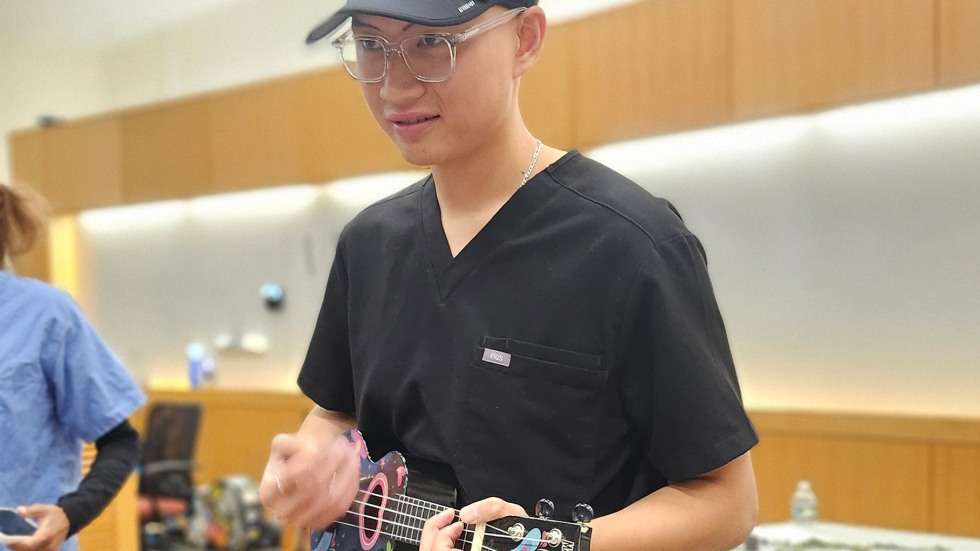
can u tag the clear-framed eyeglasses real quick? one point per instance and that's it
(431, 57)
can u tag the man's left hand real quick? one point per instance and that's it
(440, 532)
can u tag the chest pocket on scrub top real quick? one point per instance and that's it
(529, 416)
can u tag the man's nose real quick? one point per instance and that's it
(399, 77)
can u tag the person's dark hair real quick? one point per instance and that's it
(23, 219)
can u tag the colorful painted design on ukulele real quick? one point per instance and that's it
(530, 542)
(367, 526)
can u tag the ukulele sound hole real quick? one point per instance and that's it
(372, 510)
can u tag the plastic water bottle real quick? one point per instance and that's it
(195, 357)
(804, 503)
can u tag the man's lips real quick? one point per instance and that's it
(410, 120)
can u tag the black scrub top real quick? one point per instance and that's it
(573, 350)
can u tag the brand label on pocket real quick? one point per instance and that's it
(496, 357)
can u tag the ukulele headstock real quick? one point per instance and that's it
(530, 534)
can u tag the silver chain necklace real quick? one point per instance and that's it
(530, 167)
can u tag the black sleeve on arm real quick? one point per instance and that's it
(118, 451)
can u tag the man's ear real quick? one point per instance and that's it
(532, 25)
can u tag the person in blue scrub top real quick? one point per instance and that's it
(60, 386)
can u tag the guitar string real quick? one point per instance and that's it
(416, 503)
(424, 506)
(417, 530)
(416, 541)
(413, 517)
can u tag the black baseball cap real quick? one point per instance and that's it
(432, 13)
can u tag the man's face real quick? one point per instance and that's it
(437, 123)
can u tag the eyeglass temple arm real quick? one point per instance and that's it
(493, 23)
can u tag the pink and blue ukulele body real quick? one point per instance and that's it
(382, 484)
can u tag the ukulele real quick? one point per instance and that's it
(388, 512)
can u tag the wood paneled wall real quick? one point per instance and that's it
(80, 164)
(649, 68)
(901, 472)
(796, 55)
(957, 489)
(958, 41)
(165, 147)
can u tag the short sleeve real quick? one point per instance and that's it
(327, 376)
(93, 390)
(680, 385)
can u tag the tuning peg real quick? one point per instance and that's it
(582, 513)
(545, 508)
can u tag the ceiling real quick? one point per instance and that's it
(103, 23)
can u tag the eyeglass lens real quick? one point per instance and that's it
(429, 57)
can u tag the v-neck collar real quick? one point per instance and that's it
(506, 224)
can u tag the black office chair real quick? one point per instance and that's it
(166, 484)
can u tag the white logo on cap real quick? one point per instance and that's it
(466, 6)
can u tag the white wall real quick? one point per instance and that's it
(162, 276)
(844, 248)
(240, 43)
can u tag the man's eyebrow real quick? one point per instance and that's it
(357, 23)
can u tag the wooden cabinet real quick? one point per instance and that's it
(256, 136)
(312, 127)
(648, 68)
(27, 157)
(340, 136)
(82, 166)
(797, 55)
(957, 489)
(165, 152)
(75, 165)
(959, 41)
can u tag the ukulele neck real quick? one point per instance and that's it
(407, 518)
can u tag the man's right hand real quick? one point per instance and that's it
(310, 481)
